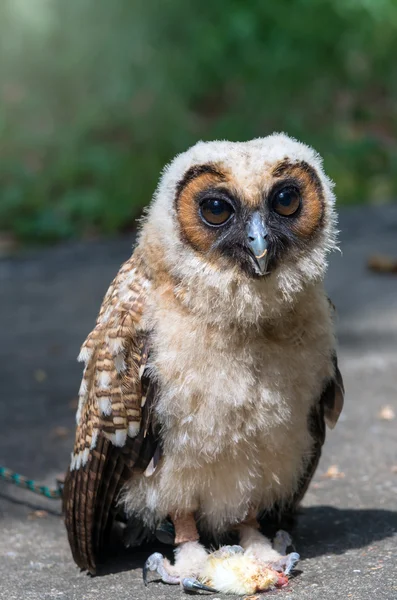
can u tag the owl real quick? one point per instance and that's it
(211, 371)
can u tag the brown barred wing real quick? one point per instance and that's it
(115, 434)
(90, 492)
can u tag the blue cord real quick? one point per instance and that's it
(29, 484)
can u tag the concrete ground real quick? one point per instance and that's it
(347, 531)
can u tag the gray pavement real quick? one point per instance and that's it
(347, 530)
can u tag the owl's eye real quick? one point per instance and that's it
(286, 201)
(216, 211)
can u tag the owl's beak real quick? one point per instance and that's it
(257, 235)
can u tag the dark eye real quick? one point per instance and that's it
(286, 201)
(216, 211)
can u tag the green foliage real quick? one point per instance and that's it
(96, 96)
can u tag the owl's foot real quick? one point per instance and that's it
(190, 556)
(231, 569)
(255, 566)
(275, 555)
(287, 562)
(156, 564)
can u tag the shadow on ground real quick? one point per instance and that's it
(319, 531)
(328, 530)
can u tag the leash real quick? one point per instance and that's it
(29, 484)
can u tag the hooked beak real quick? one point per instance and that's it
(257, 242)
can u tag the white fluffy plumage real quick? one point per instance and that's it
(240, 360)
(226, 363)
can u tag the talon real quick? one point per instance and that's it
(155, 564)
(145, 572)
(192, 585)
(287, 563)
(151, 564)
(292, 560)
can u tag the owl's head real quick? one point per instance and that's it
(258, 214)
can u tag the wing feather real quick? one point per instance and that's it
(334, 399)
(114, 433)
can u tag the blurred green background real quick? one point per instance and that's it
(97, 95)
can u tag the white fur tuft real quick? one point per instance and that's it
(105, 405)
(118, 438)
(115, 345)
(133, 428)
(79, 411)
(104, 380)
(83, 387)
(85, 354)
(94, 439)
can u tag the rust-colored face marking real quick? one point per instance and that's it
(196, 181)
(312, 209)
(296, 214)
